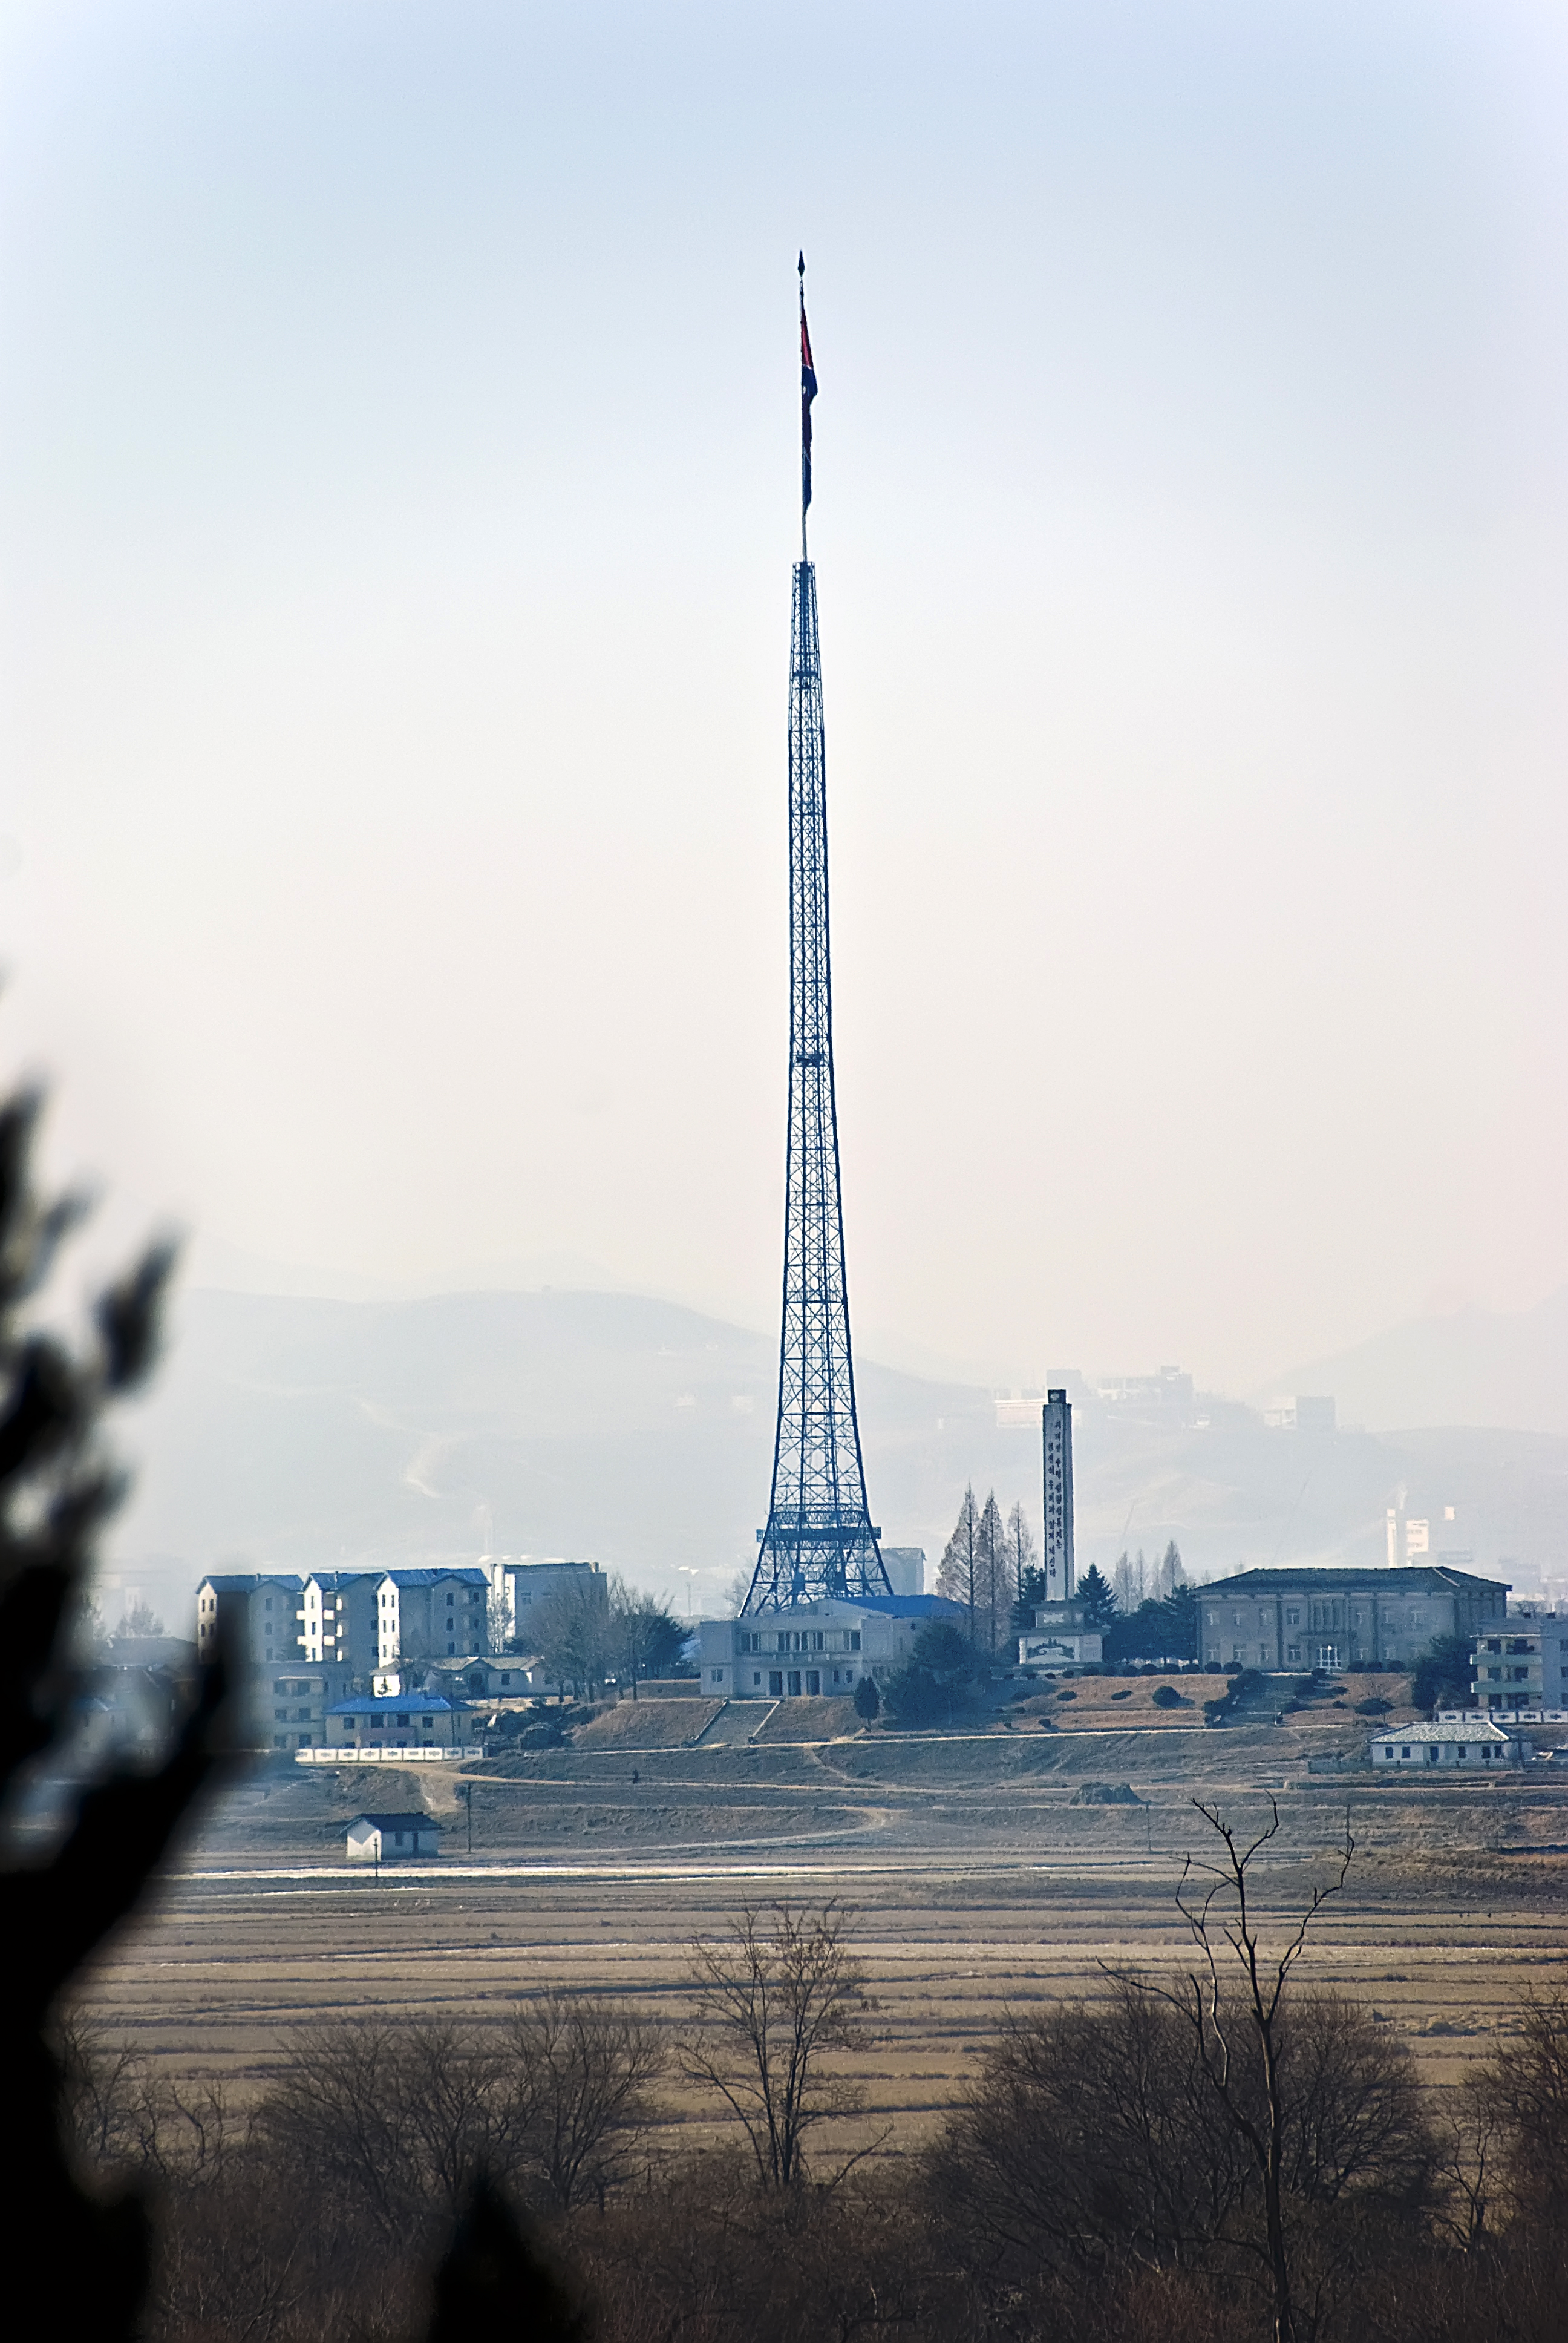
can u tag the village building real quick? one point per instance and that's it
(1475, 1746)
(1338, 1619)
(425, 1720)
(1523, 1663)
(812, 1649)
(391, 1839)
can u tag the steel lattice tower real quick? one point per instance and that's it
(819, 1539)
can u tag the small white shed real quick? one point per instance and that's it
(1473, 1745)
(392, 1838)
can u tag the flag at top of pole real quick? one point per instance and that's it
(808, 393)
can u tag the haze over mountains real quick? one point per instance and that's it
(298, 1433)
(1473, 1366)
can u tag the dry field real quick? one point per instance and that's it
(978, 1889)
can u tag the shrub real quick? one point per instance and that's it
(1167, 1696)
(867, 1699)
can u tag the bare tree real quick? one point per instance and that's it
(571, 1629)
(958, 1573)
(991, 1595)
(121, 2115)
(1092, 2139)
(497, 1618)
(644, 1632)
(404, 2118)
(1171, 1573)
(582, 2070)
(1527, 2084)
(773, 1999)
(1249, 2089)
(1020, 1550)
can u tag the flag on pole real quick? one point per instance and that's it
(808, 393)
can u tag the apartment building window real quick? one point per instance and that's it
(1293, 1655)
(1294, 1618)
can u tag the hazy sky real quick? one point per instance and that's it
(398, 463)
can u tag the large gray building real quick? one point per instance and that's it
(1338, 1619)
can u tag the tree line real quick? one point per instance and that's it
(992, 1568)
(1215, 2156)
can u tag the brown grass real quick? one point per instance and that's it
(661, 1723)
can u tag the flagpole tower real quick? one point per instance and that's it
(819, 1539)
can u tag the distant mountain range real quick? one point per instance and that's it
(1507, 1370)
(299, 1433)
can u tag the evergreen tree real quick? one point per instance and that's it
(1031, 1591)
(1098, 1601)
(868, 1700)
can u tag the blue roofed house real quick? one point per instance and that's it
(812, 1649)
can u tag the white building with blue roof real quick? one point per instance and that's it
(816, 1649)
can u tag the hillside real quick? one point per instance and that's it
(308, 1433)
(1499, 1368)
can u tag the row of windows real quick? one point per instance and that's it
(1326, 1615)
(799, 1639)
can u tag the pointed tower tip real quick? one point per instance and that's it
(802, 264)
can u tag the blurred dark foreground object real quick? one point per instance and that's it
(57, 1487)
(90, 2258)
(492, 2283)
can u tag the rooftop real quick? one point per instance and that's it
(394, 1821)
(468, 1575)
(364, 1705)
(245, 1581)
(1429, 1579)
(1474, 1732)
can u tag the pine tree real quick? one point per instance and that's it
(956, 1578)
(1098, 1602)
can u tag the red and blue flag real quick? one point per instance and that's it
(808, 393)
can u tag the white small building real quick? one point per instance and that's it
(1476, 1745)
(391, 1839)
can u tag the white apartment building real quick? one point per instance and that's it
(432, 1614)
(260, 1609)
(520, 1586)
(1520, 1664)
